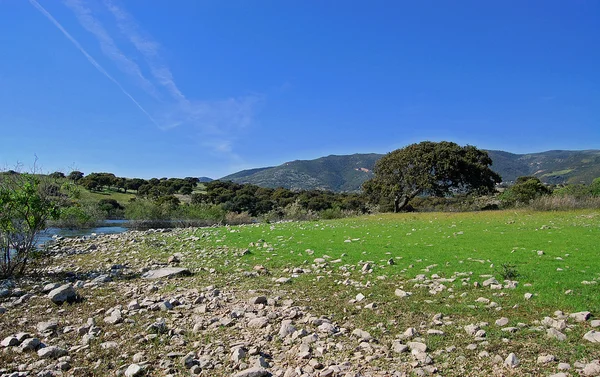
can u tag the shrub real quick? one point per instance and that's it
(25, 207)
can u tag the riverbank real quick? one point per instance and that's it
(393, 295)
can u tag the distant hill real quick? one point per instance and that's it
(204, 179)
(346, 173)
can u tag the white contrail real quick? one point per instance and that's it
(90, 58)
(107, 44)
(148, 48)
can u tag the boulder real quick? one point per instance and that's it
(592, 336)
(51, 352)
(64, 293)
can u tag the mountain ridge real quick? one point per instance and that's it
(346, 173)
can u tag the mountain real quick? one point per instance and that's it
(346, 173)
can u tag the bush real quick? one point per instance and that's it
(234, 218)
(563, 203)
(331, 213)
(77, 216)
(524, 191)
(25, 207)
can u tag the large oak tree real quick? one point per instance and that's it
(430, 168)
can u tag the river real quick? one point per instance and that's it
(107, 227)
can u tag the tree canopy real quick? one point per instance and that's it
(430, 168)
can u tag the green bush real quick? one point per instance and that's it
(84, 215)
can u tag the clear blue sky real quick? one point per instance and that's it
(210, 87)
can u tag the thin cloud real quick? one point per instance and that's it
(220, 120)
(108, 46)
(147, 47)
(90, 58)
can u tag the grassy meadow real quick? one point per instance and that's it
(552, 252)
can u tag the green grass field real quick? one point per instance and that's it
(477, 244)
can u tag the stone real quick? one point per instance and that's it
(165, 273)
(398, 347)
(592, 336)
(109, 345)
(511, 361)
(400, 293)
(580, 316)
(252, 372)
(545, 359)
(258, 300)
(564, 366)
(286, 328)
(43, 327)
(102, 279)
(560, 374)
(528, 296)
(30, 344)
(471, 329)
(591, 369)
(417, 346)
(238, 354)
(360, 297)
(133, 370)
(64, 293)
(489, 282)
(554, 333)
(10, 341)
(502, 321)
(363, 335)
(595, 323)
(259, 322)
(48, 287)
(51, 352)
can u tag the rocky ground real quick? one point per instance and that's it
(112, 305)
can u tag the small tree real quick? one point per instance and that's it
(429, 168)
(25, 206)
(524, 190)
(75, 175)
(595, 187)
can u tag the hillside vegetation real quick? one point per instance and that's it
(346, 173)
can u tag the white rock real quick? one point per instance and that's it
(64, 293)
(502, 321)
(10, 341)
(554, 333)
(545, 359)
(401, 293)
(511, 361)
(252, 372)
(592, 369)
(133, 370)
(360, 297)
(417, 346)
(580, 316)
(489, 281)
(51, 352)
(237, 355)
(286, 328)
(592, 336)
(362, 335)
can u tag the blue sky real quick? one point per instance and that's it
(207, 88)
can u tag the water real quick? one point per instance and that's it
(107, 227)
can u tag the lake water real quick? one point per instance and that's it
(107, 227)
